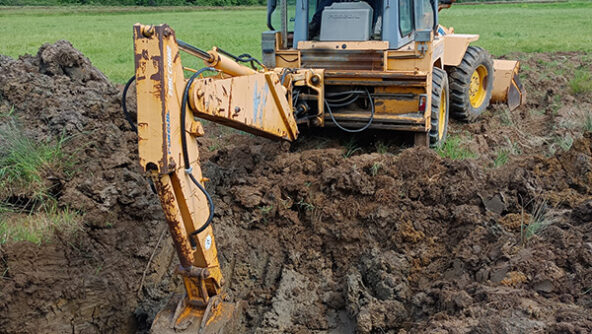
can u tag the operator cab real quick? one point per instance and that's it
(397, 22)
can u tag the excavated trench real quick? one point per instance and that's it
(317, 236)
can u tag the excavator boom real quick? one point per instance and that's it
(237, 96)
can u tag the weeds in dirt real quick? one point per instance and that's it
(588, 121)
(351, 147)
(4, 267)
(381, 147)
(38, 227)
(506, 117)
(266, 209)
(556, 105)
(581, 82)
(537, 223)
(501, 158)
(577, 119)
(375, 168)
(453, 149)
(561, 143)
(24, 163)
(305, 205)
(504, 153)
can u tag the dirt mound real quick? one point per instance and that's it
(314, 237)
(410, 242)
(89, 283)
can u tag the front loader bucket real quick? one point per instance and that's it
(507, 87)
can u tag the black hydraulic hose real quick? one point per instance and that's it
(285, 72)
(343, 104)
(244, 58)
(124, 104)
(331, 94)
(353, 130)
(188, 168)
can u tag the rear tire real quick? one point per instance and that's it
(471, 84)
(439, 110)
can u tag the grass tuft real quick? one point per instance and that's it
(375, 168)
(24, 163)
(501, 158)
(562, 143)
(381, 147)
(351, 147)
(581, 83)
(537, 223)
(38, 227)
(588, 121)
(453, 149)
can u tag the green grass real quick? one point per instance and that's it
(501, 158)
(581, 83)
(537, 223)
(381, 147)
(38, 227)
(104, 34)
(375, 168)
(24, 167)
(351, 147)
(454, 149)
(506, 28)
(24, 163)
(587, 126)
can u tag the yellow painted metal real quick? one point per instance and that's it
(253, 103)
(442, 114)
(506, 84)
(227, 65)
(477, 89)
(159, 85)
(455, 46)
(243, 98)
(396, 100)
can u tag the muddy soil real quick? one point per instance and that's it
(327, 235)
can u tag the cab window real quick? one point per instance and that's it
(424, 15)
(405, 17)
(276, 16)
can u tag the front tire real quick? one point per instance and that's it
(471, 84)
(439, 110)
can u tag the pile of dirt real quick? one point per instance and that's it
(411, 242)
(313, 237)
(87, 283)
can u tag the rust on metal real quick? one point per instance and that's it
(171, 212)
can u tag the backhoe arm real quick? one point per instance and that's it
(167, 103)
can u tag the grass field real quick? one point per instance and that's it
(104, 33)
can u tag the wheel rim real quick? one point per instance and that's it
(442, 115)
(477, 89)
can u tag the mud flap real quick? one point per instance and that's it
(507, 87)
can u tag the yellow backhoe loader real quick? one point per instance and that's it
(382, 64)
